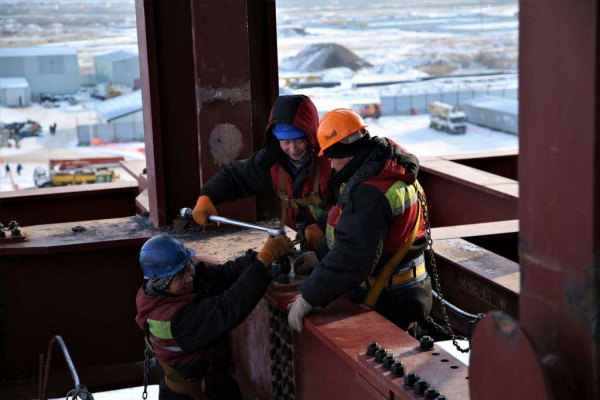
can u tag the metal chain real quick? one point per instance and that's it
(447, 329)
(147, 356)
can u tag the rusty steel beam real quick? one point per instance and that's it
(169, 102)
(76, 203)
(503, 163)
(236, 85)
(461, 195)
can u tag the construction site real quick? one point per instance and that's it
(515, 274)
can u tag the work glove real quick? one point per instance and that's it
(204, 208)
(275, 248)
(298, 310)
(313, 235)
(305, 263)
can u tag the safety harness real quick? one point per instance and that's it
(314, 199)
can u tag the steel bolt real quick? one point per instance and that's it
(388, 360)
(1, 226)
(421, 386)
(410, 379)
(12, 225)
(398, 368)
(431, 394)
(379, 354)
(441, 397)
(16, 231)
(426, 343)
(371, 348)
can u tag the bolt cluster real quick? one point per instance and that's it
(281, 354)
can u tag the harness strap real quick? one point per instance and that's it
(388, 268)
(286, 202)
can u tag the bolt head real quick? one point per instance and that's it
(410, 379)
(421, 386)
(398, 368)
(431, 394)
(426, 343)
(371, 348)
(379, 354)
(388, 360)
(12, 224)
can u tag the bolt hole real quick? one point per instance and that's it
(454, 367)
(444, 360)
(435, 354)
(466, 377)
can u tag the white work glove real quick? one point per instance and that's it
(298, 310)
(305, 263)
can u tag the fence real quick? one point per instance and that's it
(112, 132)
(405, 103)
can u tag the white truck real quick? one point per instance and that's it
(447, 118)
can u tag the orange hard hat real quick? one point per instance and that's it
(340, 125)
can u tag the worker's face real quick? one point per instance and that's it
(295, 148)
(183, 283)
(339, 163)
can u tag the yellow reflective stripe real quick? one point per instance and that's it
(401, 197)
(160, 329)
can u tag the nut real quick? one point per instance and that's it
(371, 348)
(421, 386)
(410, 379)
(398, 368)
(379, 354)
(426, 343)
(388, 360)
(431, 394)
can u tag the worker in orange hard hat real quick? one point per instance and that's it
(375, 234)
(289, 165)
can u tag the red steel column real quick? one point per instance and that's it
(559, 206)
(236, 84)
(170, 124)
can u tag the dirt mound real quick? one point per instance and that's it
(321, 56)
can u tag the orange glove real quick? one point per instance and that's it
(275, 248)
(313, 235)
(204, 208)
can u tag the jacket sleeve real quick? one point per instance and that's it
(207, 318)
(361, 233)
(238, 180)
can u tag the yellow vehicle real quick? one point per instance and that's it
(82, 177)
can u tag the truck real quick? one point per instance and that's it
(367, 110)
(77, 172)
(447, 118)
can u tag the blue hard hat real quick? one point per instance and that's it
(287, 131)
(164, 256)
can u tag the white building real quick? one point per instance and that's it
(493, 112)
(14, 92)
(118, 67)
(119, 120)
(48, 69)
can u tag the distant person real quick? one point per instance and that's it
(19, 169)
(53, 129)
(7, 169)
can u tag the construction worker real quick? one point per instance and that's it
(375, 234)
(289, 165)
(187, 309)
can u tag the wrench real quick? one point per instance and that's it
(187, 212)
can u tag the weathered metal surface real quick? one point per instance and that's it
(475, 280)
(168, 97)
(137, 169)
(473, 196)
(333, 345)
(504, 363)
(484, 229)
(68, 203)
(502, 162)
(560, 196)
(236, 85)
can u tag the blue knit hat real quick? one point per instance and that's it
(287, 132)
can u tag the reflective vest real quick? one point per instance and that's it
(403, 201)
(313, 193)
(165, 347)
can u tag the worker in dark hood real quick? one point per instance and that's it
(187, 310)
(289, 164)
(375, 234)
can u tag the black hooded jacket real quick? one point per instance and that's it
(361, 232)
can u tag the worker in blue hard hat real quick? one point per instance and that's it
(187, 310)
(289, 165)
